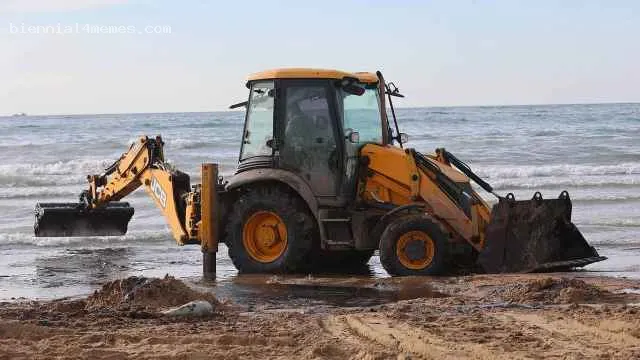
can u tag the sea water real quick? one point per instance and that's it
(592, 151)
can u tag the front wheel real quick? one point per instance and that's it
(414, 245)
(269, 230)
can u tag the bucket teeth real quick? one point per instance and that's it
(71, 219)
(534, 235)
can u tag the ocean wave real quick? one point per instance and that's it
(71, 193)
(137, 237)
(546, 133)
(597, 198)
(195, 142)
(39, 192)
(528, 171)
(577, 193)
(180, 143)
(9, 144)
(419, 136)
(562, 182)
(71, 167)
(634, 222)
(617, 238)
(18, 181)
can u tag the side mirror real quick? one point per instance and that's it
(353, 136)
(403, 138)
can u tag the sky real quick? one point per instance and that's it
(60, 56)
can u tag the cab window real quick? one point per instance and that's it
(361, 113)
(259, 124)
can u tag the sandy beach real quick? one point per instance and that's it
(533, 316)
(355, 188)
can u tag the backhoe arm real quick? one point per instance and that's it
(143, 165)
(192, 215)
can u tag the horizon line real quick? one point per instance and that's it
(23, 114)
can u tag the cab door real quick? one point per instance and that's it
(307, 134)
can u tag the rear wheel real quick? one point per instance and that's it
(414, 245)
(269, 230)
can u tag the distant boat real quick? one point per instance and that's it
(19, 114)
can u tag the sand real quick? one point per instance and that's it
(556, 316)
(139, 293)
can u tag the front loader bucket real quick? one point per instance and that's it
(534, 235)
(71, 219)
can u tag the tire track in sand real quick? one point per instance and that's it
(606, 336)
(337, 327)
(403, 338)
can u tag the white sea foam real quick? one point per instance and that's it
(19, 181)
(598, 197)
(72, 167)
(587, 194)
(530, 171)
(181, 143)
(629, 222)
(624, 237)
(14, 143)
(27, 192)
(563, 181)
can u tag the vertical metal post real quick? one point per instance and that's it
(209, 265)
(209, 220)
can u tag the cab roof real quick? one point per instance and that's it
(310, 73)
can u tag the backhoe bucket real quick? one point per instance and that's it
(71, 219)
(534, 235)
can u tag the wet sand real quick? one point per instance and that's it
(561, 316)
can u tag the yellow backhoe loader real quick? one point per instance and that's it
(324, 178)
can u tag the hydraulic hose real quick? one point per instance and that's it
(462, 166)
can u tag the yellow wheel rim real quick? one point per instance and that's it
(415, 250)
(264, 236)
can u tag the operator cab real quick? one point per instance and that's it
(312, 123)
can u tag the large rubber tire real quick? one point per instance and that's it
(300, 230)
(405, 227)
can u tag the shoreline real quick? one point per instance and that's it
(367, 278)
(557, 315)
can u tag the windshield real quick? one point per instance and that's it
(362, 114)
(259, 125)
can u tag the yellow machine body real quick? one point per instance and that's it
(397, 179)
